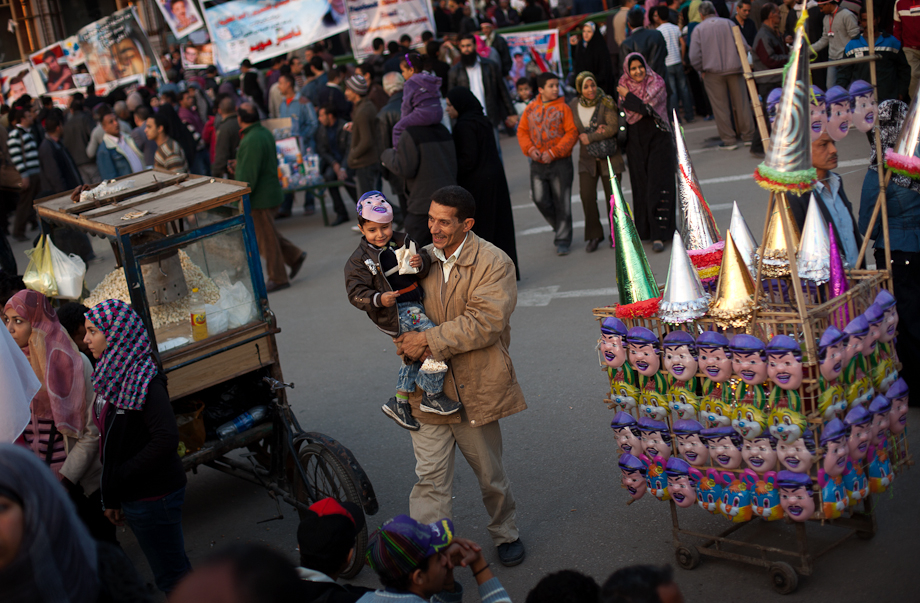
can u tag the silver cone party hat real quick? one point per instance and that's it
(787, 167)
(684, 298)
(694, 218)
(744, 239)
(814, 258)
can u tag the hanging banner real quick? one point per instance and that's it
(72, 51)
(258, 29)
(533, 52)
(117, 51)
(386, 19)
(181, 16)
(51, 66)
(18, 80)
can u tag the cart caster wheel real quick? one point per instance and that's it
(784, 578)
(688, 556)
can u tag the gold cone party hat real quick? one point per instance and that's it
(813, 259)
(694, 218)
(787, 167)
(744, 239)
(733, 304)
(774, 250)
(684, 298)
(635, 281)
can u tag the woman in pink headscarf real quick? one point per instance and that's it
(650, 150)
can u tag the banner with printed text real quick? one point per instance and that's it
(262, 29)
(533, 52)
(117, 51)
(387, 19)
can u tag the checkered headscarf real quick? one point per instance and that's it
(126, 367)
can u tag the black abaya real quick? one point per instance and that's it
(595, 57)
(651, 174)
(480, 171)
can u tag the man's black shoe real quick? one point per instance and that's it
(439, 404)
(511, 553)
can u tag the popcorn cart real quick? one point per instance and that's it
(188, 263)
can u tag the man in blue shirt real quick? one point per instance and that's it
(303, 125)
(831, 198)
(415, 562)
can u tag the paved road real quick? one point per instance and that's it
(560, 452)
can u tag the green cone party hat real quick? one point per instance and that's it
(635, 281)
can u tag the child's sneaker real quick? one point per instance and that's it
(401, 412)
(439, 404)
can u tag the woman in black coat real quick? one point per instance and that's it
(480, 171)
(590, 53)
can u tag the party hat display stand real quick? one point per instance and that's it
(782, 303)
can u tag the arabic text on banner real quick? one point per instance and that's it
(258, 30)
(117, 51)
(387, 19)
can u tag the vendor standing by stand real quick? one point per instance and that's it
(143, 481)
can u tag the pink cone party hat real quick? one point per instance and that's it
(837, 283)
(788, 164)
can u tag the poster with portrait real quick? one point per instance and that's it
(50, 64)
(533, 52)
(117, 51)
(262, 29)
(197, 56)
(371, 19)
(181, 16)
(18, 80)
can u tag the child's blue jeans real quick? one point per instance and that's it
(412, 318)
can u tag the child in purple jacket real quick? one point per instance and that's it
(421, 104)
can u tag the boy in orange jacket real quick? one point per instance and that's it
(547, 135)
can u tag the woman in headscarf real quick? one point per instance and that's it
(46, 554)
(902, 197)
(143, 481)
(649, 149)
(595, 115)
(60, 431)
(590, 53)
(20, 385)
(480, 171)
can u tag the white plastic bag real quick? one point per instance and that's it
(239, 303)
(217, 318)
(69, 271)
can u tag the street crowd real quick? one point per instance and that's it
(99, 446)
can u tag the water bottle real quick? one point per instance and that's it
(245, 421)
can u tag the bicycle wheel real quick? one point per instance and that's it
(329, 478)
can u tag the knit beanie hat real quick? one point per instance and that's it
(357, 84)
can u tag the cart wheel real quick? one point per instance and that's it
(688, 556)
(784, 578)
(330, 478)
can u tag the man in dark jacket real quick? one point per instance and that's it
(332, 144)
(768, 50)
(831, 198)
(427, 159)
(491, 38)
(227, 138)
(77, 131)
(257, 164)
(505, 16)
(646, 41)
(892, 68)
(386, 118)
(483, 77)
(362, 156)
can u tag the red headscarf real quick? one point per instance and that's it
(652, 90)
(57, 364)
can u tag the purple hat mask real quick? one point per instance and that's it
(374, 207)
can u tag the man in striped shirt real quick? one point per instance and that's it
(24, 152)
(169, 155)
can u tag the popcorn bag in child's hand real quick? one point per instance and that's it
(403, 256)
